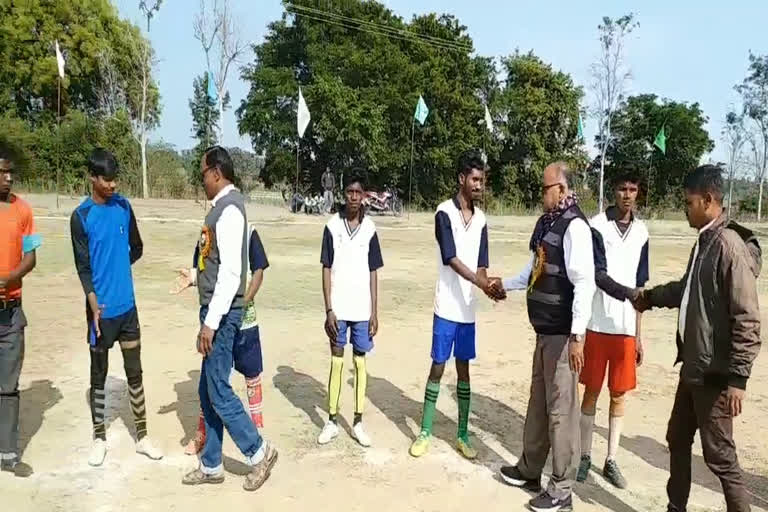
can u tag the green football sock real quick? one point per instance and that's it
(430, 401)
(462, 390)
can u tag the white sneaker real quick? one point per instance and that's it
(329, 433)
(145, 447)
(358, 433)
(98, 452)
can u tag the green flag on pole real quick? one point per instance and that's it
(580, 128)
(421, 111)
(661, 140)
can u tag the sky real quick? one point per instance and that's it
(685, 50)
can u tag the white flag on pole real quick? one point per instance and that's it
(488, 120)
(59, 60)
(303, 115)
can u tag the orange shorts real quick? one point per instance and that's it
(618, 350)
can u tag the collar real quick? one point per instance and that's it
(714, 223)
(226, 190)
(457, 204)
(612, 214)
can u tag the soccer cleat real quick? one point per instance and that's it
(465, 449)
(420, 445)
(359, 435)
(512, 476)
(98, 452)
(584, 466)
(145, 447)
(329, 433)
(197, 477)
(19, 469)
(612, 473)
(546, 503)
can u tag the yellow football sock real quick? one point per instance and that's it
(334, 385)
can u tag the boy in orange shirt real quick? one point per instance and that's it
(17, 258)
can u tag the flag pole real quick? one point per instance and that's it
(410, 179)
(58, 144)
(298, 143)
(648, 186)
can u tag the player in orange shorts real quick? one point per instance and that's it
(613, 335)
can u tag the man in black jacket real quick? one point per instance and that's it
(718, 339)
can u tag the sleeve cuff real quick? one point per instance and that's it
(31, 242)
(737, 381)
(212, 321)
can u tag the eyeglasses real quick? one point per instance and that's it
(207, 169)
(544, 188)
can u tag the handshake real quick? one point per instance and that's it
(494, 289)
(639, 299)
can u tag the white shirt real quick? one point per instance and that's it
(684, 302)
(580, 268)
(454, 295)
(229, 239)
(351, 254)
(623, 253)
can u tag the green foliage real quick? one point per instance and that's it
(361, 88)
(635, 126)
(541, 108)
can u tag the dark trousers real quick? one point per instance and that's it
(12, 323)
(703, 407)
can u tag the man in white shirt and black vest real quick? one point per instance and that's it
(560, 283)
(222, 269)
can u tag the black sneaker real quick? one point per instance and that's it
(546, 503)
(584, 466)
(672, 508)
(612, 473)
(511, 475)
(19, 469)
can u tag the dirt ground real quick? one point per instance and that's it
(55, 420)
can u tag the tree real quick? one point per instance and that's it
(540, 107)
(361, 85)
(734, 136)
(754, 93)
(610, 76)
(634, 128)
(205, 119)
(219, 33)
(84, 29)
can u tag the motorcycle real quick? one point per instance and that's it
(383, 202)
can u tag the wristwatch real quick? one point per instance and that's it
(578, 338)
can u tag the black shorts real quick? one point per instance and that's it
(124, 327)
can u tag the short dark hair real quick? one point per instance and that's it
(103, 163)
(625, 177)
(217, 156)
(356, 175)
(470, 160)
(7, 153)
(705, 179)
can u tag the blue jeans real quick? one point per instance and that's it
(221, 407)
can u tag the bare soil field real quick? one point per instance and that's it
(56, 426)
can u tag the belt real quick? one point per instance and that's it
(9, 304)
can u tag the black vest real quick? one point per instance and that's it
(550, 299)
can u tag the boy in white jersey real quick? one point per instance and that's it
(613, 333)
(350, 257)
(462, 238)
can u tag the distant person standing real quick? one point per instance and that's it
(18, 242)
(328, 182)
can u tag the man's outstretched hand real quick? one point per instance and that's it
(495, 289)
(182, 282)
(639, 300)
